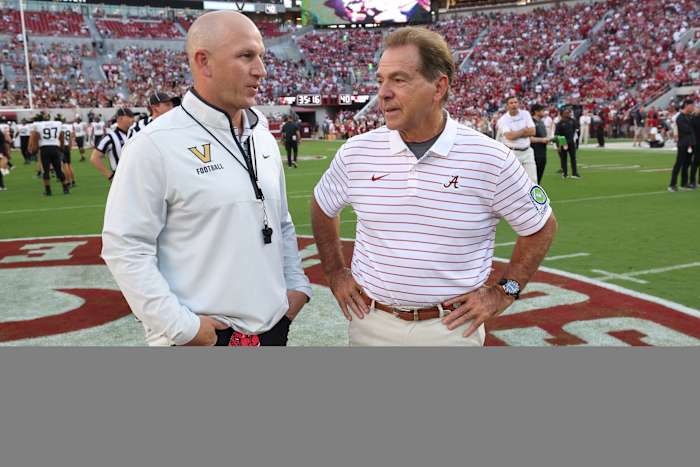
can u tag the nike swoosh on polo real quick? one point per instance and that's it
(265, 156)
(375, 178)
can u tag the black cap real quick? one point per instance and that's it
(158, 97)
(124, 112)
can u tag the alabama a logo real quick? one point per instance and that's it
(452, 183)
(204, 155)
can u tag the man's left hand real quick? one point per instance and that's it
(478, 306)
(296, 300)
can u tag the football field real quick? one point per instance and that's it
(620, 231)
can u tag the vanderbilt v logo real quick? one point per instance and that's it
(204, 157)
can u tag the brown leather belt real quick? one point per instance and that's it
(412, 315)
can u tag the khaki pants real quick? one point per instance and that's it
(585, 134)
(527, 159)
(380, 328)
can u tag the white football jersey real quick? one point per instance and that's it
(98, 128)
(67, 129)
(48, 132)
(79, 129)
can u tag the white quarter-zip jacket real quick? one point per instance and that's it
(182, 231)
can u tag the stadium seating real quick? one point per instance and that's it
(58, 79)
(151, 69)
(44, 23)
(631, 58)
(626, 62)
(340, 58)
(139, 29)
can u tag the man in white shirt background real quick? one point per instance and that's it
(549, 124)
(515, 128)
(585, 123)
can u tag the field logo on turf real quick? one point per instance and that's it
(202, 156)
(60, 292)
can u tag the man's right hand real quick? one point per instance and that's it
(348, 293)
(206, 336)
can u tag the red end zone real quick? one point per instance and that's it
(60, 285)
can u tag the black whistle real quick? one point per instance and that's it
(267, 235)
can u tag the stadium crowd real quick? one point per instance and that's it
(58, 78)
(44, 23)
(118, 29)
(153, 69)
(550, 56)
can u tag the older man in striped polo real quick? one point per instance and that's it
(428, 193)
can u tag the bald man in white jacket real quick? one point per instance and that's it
(197, 231)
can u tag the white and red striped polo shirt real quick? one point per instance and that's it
(426, 228)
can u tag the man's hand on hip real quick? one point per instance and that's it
(478, 306)
(348, 293)
(206, 336)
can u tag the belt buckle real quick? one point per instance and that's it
(397, 311)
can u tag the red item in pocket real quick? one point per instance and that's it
(238, 339)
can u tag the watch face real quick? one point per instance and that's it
(511, 287)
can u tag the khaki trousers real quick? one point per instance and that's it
(380, 328)
(527, 159)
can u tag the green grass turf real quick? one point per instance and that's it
(622, 217)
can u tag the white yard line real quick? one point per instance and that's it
(598, 166)
(607, 275)
(660, 270)
(631, 275)
(63, 208)
(52, 237)
(597, 198)
(504, 244)
(605, 168)
(572, 255)
(621, 167)
(695, 313)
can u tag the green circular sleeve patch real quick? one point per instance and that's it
(538, 195)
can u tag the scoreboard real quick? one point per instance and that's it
(317, 100)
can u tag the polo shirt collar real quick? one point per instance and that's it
(441, 147)
(213, 116)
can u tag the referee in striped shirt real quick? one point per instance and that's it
(112, 143)
(158, 104)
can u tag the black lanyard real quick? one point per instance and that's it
(250, 166)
